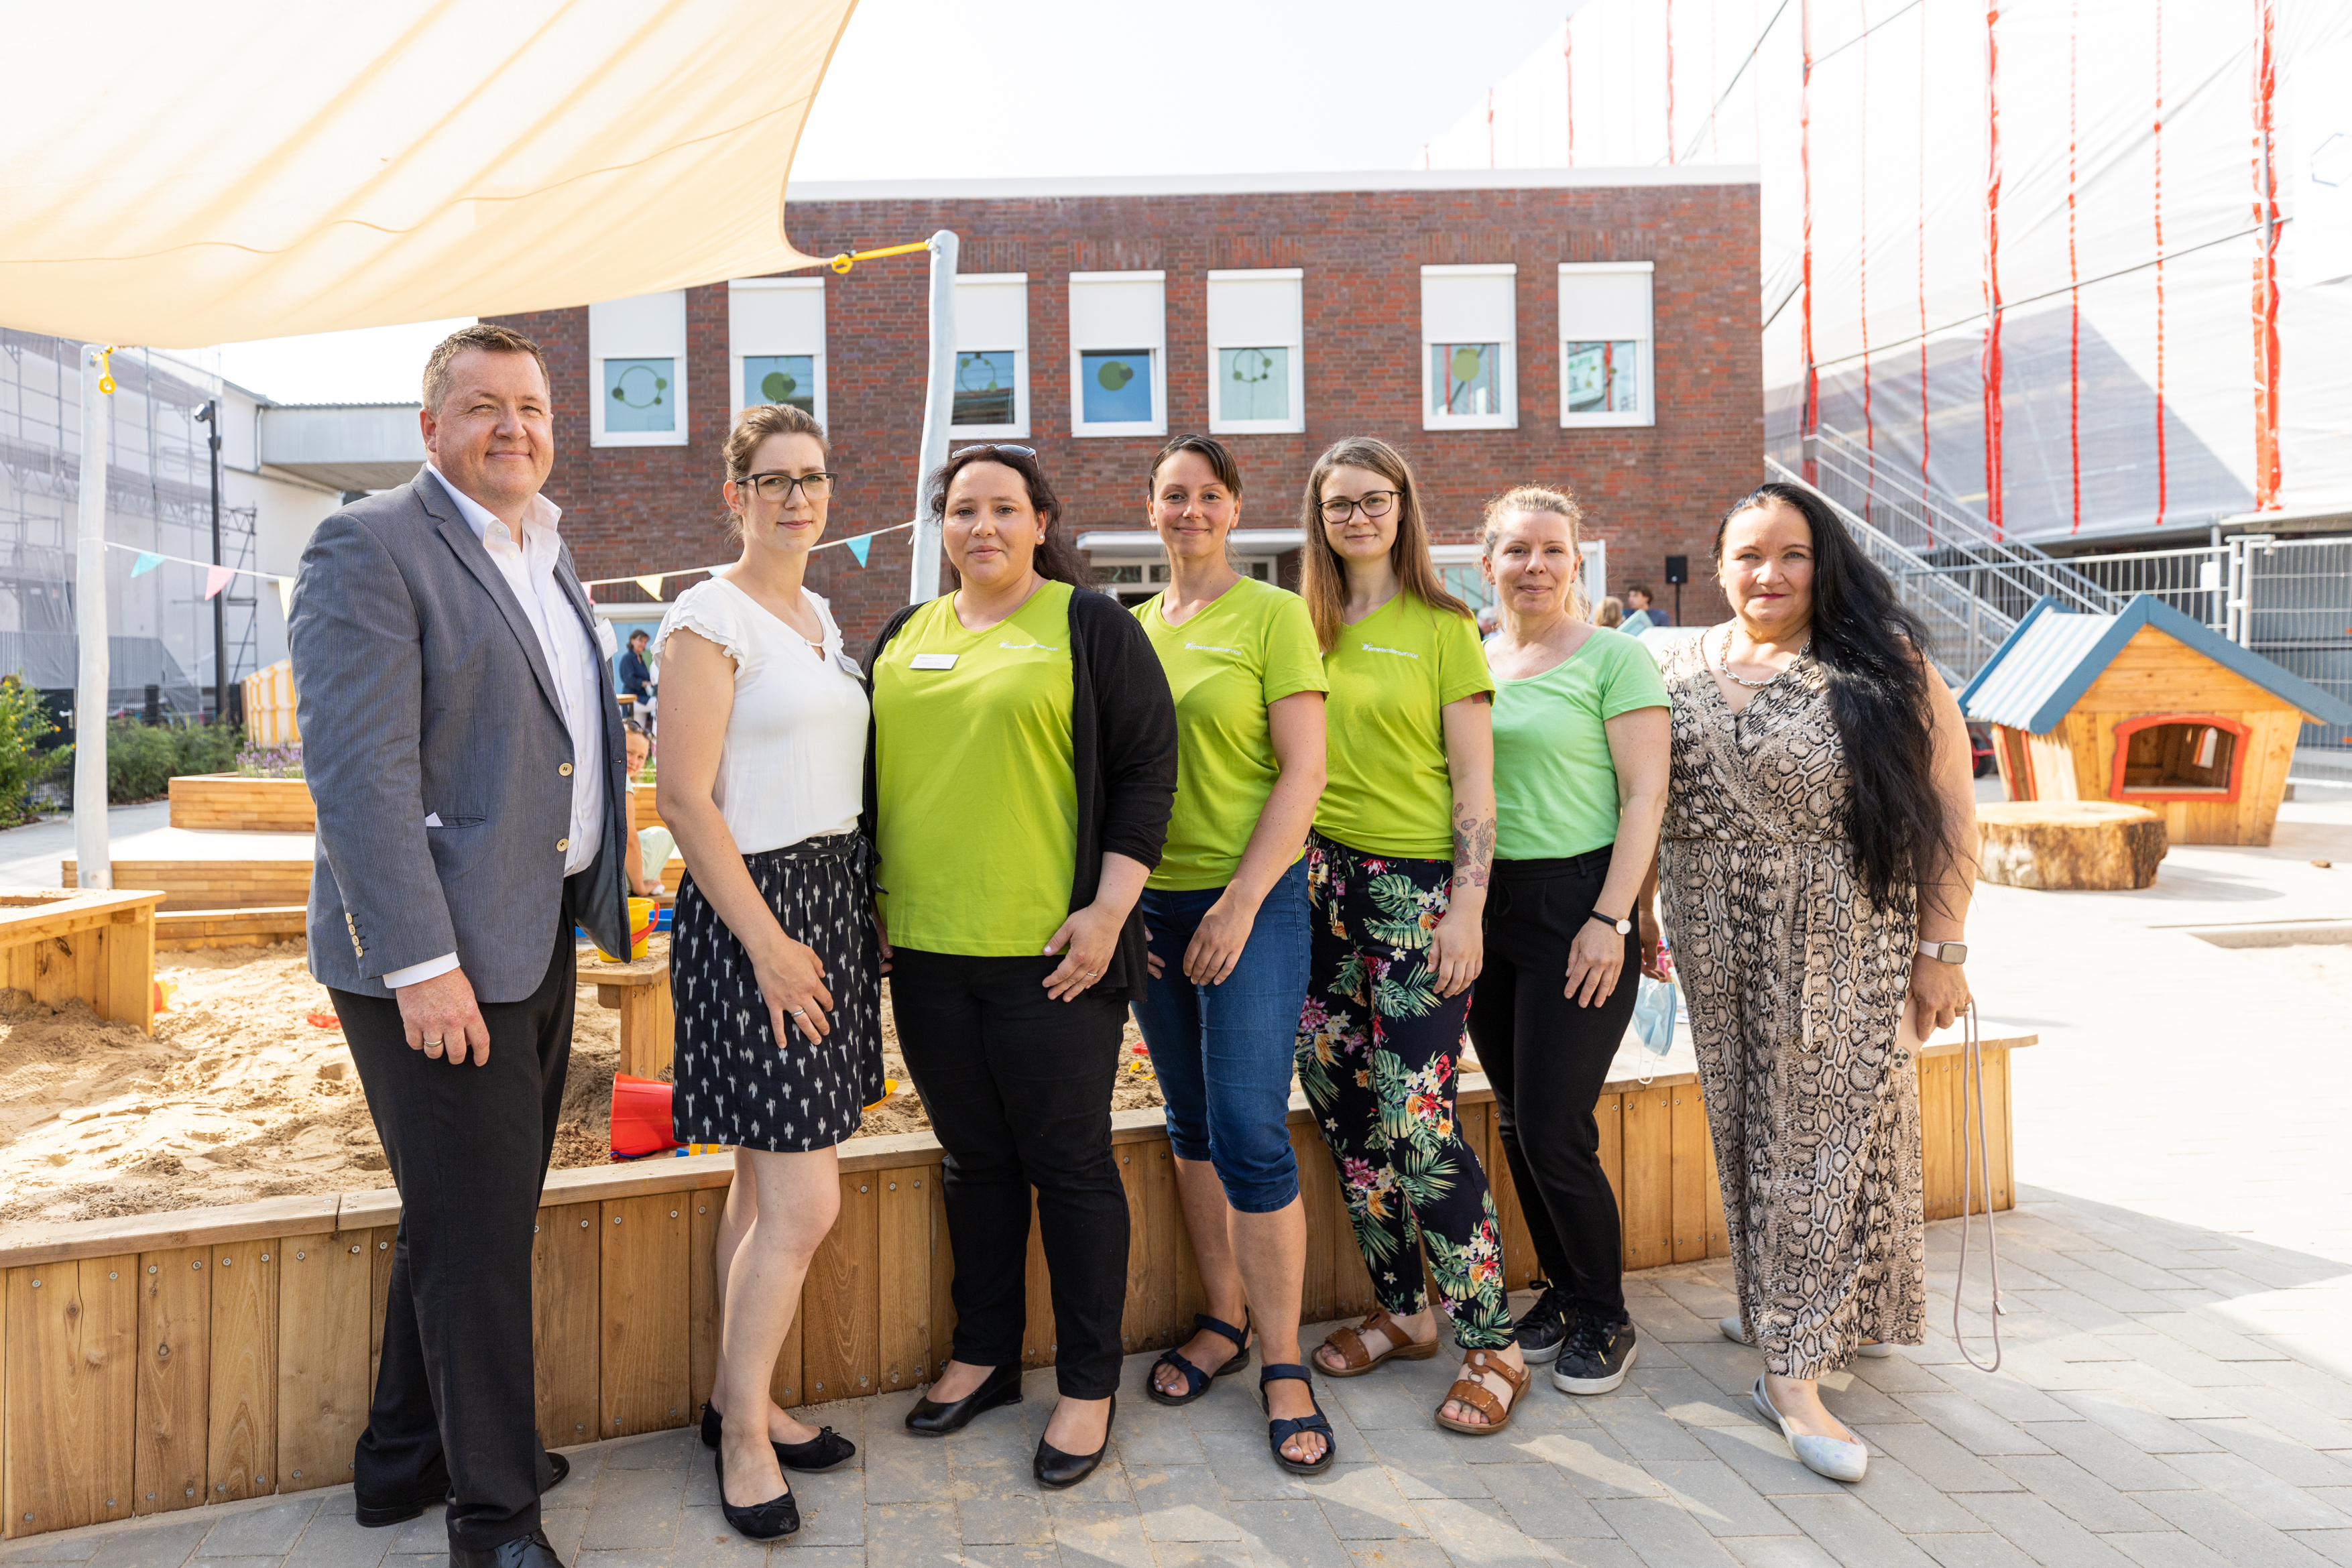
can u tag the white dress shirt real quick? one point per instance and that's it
(565, 642)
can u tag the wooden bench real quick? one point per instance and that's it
(639, 991)
(187, 930)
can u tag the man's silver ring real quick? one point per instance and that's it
(432, 1045)
(799, 1012)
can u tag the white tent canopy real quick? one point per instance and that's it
(182, 174)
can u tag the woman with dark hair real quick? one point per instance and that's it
(1820, 846)
(1019, 774)
(1396, 878)
(1227, 914)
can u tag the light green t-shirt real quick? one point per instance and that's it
(974, 782)
(1555, 784)
(1251, 646)
(1391, 674)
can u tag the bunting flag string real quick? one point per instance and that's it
(858, 545)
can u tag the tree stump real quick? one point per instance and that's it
(2069, 844)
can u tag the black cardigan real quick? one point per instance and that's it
(1123, 752)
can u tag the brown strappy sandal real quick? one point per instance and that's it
(1350, 1343)
(1470, 1391)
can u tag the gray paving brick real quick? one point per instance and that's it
(2138, 1425)
(2041, 1532)
(2289, 1417)
(1852, 1532)
(2239, 1538)
(2166, 1549)
(1098, 1534)
(1362, 1503)
(1663, 1533)
(2123, 1465)
(1984, 1551)
(705, 1540)
(336, 1540)
(660, 1451)
(1429, 1461)
(1716, 1495)
(424, 1533)
(1763, 1460)
(1970, 1425)
(59, 1546)
(1000, 1513)
(1419, 1554)
(1895, 1489)
(629, 1558)
(141, 1544)
(2266, 1495)
(832, 1508)
(1180, 1503)
(1779, 1551)
(816, 1556)
(2075, 1492)
(1151, 1443)
(1479, 1531)
(1204, 1554)
(1591, 1463)
(269, 1531)
(1643, 1430)
(636, 1510)
(910, 1534)
(905, 1468)
(1539, 1505)
(2306, 1384)
(564, 1527)
(1292, 1533)
(1046, 1555)
(2011, 1392)
(1941, 1462)
(2336, 1546)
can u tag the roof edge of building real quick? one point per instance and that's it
(1336, 182)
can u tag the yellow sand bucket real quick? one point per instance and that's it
(641, 930)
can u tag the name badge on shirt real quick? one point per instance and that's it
(932, 661)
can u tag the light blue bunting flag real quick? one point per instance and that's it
(859, 546)
(148, 561)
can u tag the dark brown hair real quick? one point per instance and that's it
(1211, 450)
(752, 427)
(480, 335)
(1323, 580)
(1056, 559)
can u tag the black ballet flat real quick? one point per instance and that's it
(828, 1451)
(1058, 1469)
(929, 1418)
(770, 1521)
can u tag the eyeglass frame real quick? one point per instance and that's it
(824, 475)
(1349, 508)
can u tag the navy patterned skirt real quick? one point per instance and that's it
(737, 1084)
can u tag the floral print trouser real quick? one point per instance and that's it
(1377, 1047)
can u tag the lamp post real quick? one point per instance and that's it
(93, 861)
(939, 411)
(210, 416)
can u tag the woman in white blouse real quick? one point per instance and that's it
(774, 964)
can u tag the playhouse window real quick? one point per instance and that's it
(2179, 758)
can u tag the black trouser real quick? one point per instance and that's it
(1546, 1058)
(1018, 1088)
(468, 1147)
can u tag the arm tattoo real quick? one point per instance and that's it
(1473, 849)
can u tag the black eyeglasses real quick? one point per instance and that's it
(1373, 503)
(778, 487)
(996, 446)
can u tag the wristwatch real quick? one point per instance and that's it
(1622, 926)
(1945, 952)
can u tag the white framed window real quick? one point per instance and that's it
(775, 342)
(992, 366)
(1605, 331)
(636, 371)
(1469, 346)
(1119, 353)
(1257, 358)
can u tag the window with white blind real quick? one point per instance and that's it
(992, 362)
(1469, 348)
(776, 340)
(1605, 332)
(1119, 353)
(1257, 361)
(636, 371)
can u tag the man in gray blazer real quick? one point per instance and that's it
(462, 743)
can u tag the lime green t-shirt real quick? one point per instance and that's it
(1391, 674)
(1555, 784)
(1251, 646)
(974, 782)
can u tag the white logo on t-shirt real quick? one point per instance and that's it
(1207, 648)
(1400, 653)
(1040, 647)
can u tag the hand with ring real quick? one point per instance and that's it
(792, 982)
(1090, 936)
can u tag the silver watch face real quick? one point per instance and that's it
(1953, 952)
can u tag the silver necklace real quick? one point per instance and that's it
(1742, 680)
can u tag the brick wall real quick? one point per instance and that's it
(1649, 491)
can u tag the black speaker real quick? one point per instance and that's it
(1677, 568)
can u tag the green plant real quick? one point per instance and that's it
(140, 761)
(205, 748)
(23, 721)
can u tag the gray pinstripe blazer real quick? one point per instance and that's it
(421, 689)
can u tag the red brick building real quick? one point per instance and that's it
(1595, 330)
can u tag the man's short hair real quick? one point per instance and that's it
(1643, 589)
(640, 632)
(481, 335)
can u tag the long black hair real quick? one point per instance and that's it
(1057, 559)
(1873, 651)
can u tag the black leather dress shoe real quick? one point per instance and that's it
(1001, 1387)
(825, 1452)
(1058, 1469)
(770, 1521)
(376, 1515)
(530, 1552)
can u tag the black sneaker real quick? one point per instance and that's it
(1545, 1326)
(1595, 1358)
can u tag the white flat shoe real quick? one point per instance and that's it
(1823, 1455)
(1733, 1332)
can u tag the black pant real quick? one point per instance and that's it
(1018, 1087)
(468, 1147)
(1546, 1058)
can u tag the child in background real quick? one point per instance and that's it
(640, 748)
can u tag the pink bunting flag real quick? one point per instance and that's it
(216, 577)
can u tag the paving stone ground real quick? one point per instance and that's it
(2176, 1391)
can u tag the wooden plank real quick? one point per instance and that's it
(904, 1279)
(73, 1379)
(841, 1303)
(379, 1252)
(1158, 1324)
(702, 1301)
(566, 1326)
(1997, 1129)
(1648, 1189)
(641, 1296)
(1520, 1264)
(325, 1283)
(1134, 1164)
(1688, 1182)
(943, 1311)
(1318, 1192)
(241, 1438)
(130, 981)
(1718, 1233)
(175, 1298)
(1939, 1169)
(1609, 1111)
(1036, 1297)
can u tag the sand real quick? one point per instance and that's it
(240, 1096)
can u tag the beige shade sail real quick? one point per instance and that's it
(178, 174)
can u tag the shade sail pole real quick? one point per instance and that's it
(939, 407)
(93, 862)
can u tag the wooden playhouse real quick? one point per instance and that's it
(2146, 708)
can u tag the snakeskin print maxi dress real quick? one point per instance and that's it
(1796, 981)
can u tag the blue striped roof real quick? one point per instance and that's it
(2049, 660)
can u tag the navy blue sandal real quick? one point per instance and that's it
(1281, 1429)
(1196, 1382)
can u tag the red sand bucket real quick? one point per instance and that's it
(641, 1119)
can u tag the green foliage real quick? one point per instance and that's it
(141, 759)
(203, 748)
(23, 721)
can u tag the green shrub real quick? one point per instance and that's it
(140, 761)
(23, 721)
(205, 748)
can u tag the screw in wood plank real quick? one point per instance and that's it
(702, 1209)
(919, 1187)
(195, 1263)
(893, 1187)
(299, 1255)
(861, 1187)
(298, 1475)
(673, 1214)
(225, 1262)
(112, 1275)
(265, 1257)
(583, 1224)
(820, 1388)
(36, 1285)
(151, 1268)
(580, 1426)
(356, 1251)
(187, 1492)
(616, 1219)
